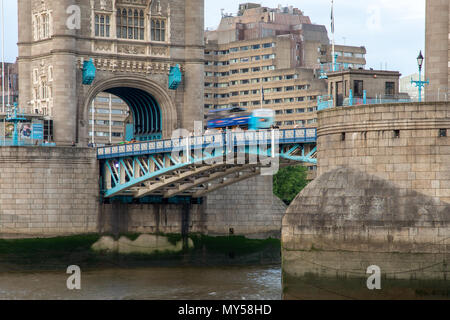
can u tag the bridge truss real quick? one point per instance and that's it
(195, 166)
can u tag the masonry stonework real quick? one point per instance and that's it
(248, 208)
(437, 47)
(48, 191)
(382, 195)
(52, 50)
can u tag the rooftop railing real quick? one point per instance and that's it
(326, 68)
(325, 102)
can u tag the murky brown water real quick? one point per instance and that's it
(177, 283)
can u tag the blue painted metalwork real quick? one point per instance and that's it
(307, 136)
(130, 168)
(89, 72)
(326, 68)
(350, 98)
(175, 77)
(324, 102)
(15, 117)
(146, 112)
(420, 84)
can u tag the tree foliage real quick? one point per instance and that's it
(289, 182)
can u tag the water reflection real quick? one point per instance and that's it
(193, 283)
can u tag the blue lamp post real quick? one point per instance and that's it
(420, 84)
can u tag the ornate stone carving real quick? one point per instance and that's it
(125, 65)
(159, 51)
(131, 49)
(103, 46)
(143, 3)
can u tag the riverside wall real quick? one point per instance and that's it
(48, 192)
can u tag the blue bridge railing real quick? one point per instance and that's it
(212, 141)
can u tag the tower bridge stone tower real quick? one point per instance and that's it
(437, 53)
(133, 44)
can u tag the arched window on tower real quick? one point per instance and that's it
(41, 26)
(46, 26)
(158, 29)
(130, 24)
(102, 25)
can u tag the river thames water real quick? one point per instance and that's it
(154, 283)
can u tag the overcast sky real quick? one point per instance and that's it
(393, 31)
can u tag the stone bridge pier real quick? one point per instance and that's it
(55, 192)
(382, 196)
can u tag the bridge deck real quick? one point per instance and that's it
(195, 166)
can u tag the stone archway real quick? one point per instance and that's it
(124, 85)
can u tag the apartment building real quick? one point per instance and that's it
(271, 58)
(107, 123)
(11, 83)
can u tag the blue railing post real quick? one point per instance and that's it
(350, 98)
(365, 97)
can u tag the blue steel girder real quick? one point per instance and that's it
(166, 168)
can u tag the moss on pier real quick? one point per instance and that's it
(60, 252)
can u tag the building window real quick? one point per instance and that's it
(268, 45)
(390, 88)
(396, 134)
(358, 88)
(268, 68)
(35, 75)
(442, 133)
(45, 26)
(50, 73)
(41, 26)
(158, 30)
(130, 24)
(102, 25)
(268, 56)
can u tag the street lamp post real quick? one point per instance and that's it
(420, 84)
